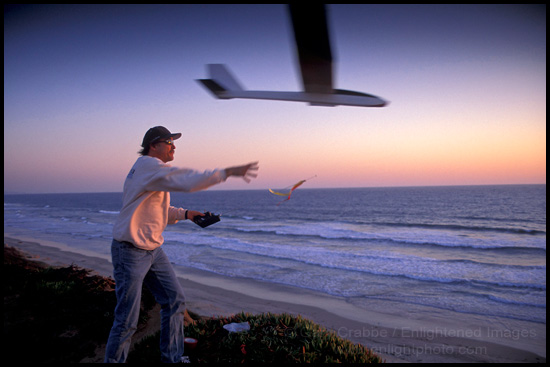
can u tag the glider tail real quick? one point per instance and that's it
(221, 82)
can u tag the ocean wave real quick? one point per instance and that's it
(335, 231)
(444, 293)
(457, 227)
(496, 265)
(377, 263)
(514, 302)
(109, 212)
(529, 228)
(493, 219)
(512, 229)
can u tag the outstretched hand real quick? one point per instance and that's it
(247, 172)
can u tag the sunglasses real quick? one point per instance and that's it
(169, 142)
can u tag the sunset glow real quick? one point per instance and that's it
(466, 85)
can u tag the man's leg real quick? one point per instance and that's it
(166, 288)
(130, 266)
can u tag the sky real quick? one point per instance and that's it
(466, 86)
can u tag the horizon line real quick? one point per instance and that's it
(305, 188)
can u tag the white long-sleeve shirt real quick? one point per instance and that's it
(146, 209)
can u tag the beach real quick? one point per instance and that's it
(389, 330)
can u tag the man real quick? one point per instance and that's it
(137, 238)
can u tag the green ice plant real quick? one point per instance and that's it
(272, 338)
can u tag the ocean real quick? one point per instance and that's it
(478, 250)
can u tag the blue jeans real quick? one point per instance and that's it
(132, 268)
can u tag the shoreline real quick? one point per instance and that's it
(391, 332)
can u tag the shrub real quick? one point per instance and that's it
(272, 338)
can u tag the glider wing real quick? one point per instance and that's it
(309, 22)
(312, 46)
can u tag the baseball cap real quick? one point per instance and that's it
(158, 133)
